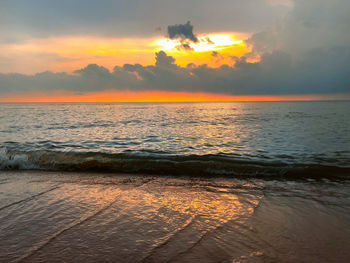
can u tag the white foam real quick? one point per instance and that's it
(16, 161)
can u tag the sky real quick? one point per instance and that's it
(184, 50)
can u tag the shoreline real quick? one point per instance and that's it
(302, 176)
(56, 216)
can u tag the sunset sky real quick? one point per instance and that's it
(200, 50)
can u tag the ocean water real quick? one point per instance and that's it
(175, 182)
(219, 139)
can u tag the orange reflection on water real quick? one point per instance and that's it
(220, 207)
(217, 205)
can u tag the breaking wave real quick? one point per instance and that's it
(14, 161)
(192, 165)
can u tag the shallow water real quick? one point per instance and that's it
(70, 217)
(168, 138)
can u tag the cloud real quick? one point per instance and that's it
(130, 18)
(215, 54)
(185, 46)
(276, 73)
(218, 57)
(182, 31)
(310, 24)
(208, 40)
(308, 52)
(163, 60)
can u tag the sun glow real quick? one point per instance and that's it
(211, 42)
(152, 96)
(212, 49)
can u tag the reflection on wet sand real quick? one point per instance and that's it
(55, 217)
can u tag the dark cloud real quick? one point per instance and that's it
(219, 57)
(321, 71)
(93, 71)
(209, 40)
(215, 54)
(163, 60)
(185, 46)
(183, 32)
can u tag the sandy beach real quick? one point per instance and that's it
(71, 217)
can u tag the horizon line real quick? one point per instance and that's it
(219, 101)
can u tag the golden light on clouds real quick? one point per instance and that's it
(211, 49)
(211, 42)
(72, 53)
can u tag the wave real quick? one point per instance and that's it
(14, 161)
(160, 164)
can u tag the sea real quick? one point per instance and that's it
(233, 182)
(211, 139)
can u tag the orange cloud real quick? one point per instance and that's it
(69, 53)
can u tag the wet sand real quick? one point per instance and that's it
(71, 217)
